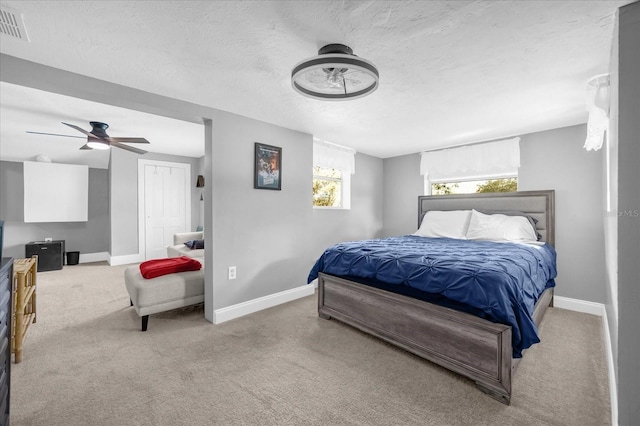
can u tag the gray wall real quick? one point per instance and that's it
(274, 237)
(553, 159)
(261, 232)
(124, 203)
(86, 237)
(402, 186)
(124, 197)
(364, 219)
(628, 221)
(556, 160)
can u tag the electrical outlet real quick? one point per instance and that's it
(231, 273)
(48, 239)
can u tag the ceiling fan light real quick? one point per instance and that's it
(335, 74)
(97, 144)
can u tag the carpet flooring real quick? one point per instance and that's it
(86, 362)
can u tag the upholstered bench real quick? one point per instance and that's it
(160, 294)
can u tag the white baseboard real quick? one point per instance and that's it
(613, 385)
(94, 257)
(125, 260)
(255, 305)
(599, 310)
(578, 305)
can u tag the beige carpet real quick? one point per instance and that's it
(86, 362)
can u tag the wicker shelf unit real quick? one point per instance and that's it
(24, 301)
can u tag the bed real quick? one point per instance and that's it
(447, 334)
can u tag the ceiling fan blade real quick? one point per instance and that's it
(128, 148)
(55, 134)
(128, 140)
(80, 129)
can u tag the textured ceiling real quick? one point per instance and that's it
(451, 72)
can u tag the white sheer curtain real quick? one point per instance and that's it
(598, 107)
(500, 158)
(332, 156)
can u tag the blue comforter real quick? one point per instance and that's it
(496, 281)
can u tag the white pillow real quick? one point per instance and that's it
(499, 227)
(444, 224)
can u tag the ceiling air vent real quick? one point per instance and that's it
(11, 24)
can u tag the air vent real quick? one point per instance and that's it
(11, 24)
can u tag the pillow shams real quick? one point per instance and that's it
(500, 227)
(531, 219)
(445, 224)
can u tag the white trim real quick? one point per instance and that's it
(613, 386)
(245, 308)
(94, 257)
(578, 305)
(496, 176)
(599, 310)
(125, 260)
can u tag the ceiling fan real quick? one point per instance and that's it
(98, 138)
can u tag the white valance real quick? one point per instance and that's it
(598, 107)
(500, 158)
(332, 156)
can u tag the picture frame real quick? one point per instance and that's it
(267, 167)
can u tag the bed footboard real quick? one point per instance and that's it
(470, 346)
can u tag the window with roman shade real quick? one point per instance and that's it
(490, 159)
(482, 167)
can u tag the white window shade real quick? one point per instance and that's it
(332, 156)
(500, 158)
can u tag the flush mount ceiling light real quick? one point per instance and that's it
(96, 143)
(335, 74)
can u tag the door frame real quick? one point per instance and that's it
(142, 237)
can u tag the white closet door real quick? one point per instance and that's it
(165, 208)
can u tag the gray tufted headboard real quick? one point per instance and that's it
(537, 204)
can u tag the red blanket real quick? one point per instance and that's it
(157, 267)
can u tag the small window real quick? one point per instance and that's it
(330, 188)
(469, 187)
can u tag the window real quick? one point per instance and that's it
(332, 170)
(327, 187)
(481, 167)
(509, 184)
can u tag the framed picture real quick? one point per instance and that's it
(268, 167)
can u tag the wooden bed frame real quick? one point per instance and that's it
(473, 347)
